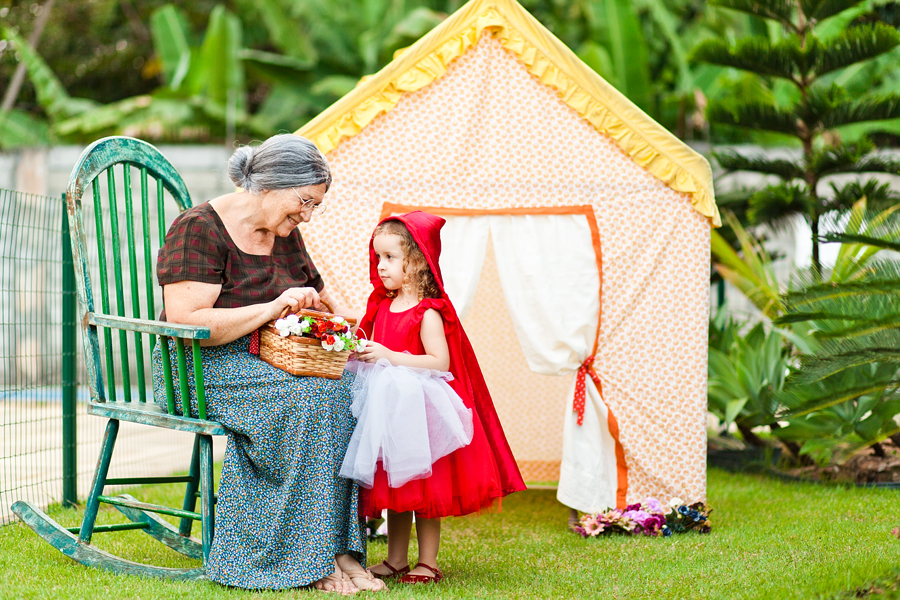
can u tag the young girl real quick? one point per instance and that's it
(436, 402)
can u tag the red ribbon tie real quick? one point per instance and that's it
(586, 368)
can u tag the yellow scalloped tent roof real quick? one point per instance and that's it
(553, 63)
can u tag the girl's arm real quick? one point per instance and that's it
(437, 354)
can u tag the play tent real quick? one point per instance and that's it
(576, 247)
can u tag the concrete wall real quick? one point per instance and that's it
(46, 171)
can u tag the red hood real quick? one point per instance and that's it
(426, 231)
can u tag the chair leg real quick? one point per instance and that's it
(207, 506)
(190, 493)
(93, 503)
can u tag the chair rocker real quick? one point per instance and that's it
(142, 238)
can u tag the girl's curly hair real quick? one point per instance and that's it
(415, 267)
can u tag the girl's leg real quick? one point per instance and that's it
(399, 528)
(428, 532)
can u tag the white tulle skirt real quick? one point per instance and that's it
(406, 418)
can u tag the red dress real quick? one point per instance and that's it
(462, 482)
(476, 475)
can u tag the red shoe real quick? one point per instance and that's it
(423, 578)
(394, 572)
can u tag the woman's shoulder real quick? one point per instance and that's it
(200, 221)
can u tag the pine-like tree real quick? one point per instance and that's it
(818, 106)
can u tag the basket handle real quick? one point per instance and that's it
(287, 309)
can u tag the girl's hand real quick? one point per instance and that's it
(295, 299)
(372, 352)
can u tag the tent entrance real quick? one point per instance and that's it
(526, 283)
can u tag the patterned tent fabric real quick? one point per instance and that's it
(488, 135)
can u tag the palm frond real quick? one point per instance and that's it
(753, 114)
(751, 273)
(868, 109)
(778, 10)
(836, 357)
(861, 239)
(882, 278)
(854, 45)
(731, 160)
(821, 396)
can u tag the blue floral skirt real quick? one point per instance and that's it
(283, 511)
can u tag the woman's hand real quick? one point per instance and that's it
(294, 299)
(374, 351)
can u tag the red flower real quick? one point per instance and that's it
(329, 339)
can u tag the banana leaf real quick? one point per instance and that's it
(169, 30)
(18, 129)
(51, 94)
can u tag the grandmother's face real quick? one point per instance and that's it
(289, 207)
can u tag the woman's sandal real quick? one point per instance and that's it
(393, 572)
(410, 578)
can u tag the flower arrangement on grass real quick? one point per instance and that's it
(334, 332)
(650, 518)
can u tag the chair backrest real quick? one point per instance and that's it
(117, 250)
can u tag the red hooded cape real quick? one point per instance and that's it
(425, 229)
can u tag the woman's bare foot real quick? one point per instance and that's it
(361, 578)
(336, 583)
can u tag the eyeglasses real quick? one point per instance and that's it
(318, 209)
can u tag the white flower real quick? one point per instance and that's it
(338, 345)
(327, 346)
(360, 344)
(338, 319)
(292, 318)
(304, 326)
(296, 328)
(676, 502)
(280, 324)
(284, 332)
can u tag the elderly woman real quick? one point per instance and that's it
(284, 516)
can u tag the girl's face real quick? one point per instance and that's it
(289, 207)
(389, 260)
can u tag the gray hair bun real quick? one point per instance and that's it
(239, 167)
(282, 161)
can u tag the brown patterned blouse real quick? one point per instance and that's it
(199, 248)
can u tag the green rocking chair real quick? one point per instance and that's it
(126, 244)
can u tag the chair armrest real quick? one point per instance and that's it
(191, 332)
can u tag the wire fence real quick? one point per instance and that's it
(47, 457)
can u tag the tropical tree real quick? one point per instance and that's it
(796, 89)
(845, 395)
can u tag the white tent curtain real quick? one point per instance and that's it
(548, 273)
(463, 245)
(550, 282)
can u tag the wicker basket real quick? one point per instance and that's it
(301, 355)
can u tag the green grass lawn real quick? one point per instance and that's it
(771, 539)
